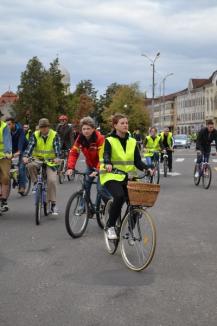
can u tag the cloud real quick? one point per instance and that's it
(103, 40)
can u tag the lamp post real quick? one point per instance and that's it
(153, 81)
(164, 104)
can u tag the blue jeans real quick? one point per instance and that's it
(150, 159)
(22, 173)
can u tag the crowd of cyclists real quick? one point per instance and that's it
(118, 151)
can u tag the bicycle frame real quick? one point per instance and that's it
(41, 181)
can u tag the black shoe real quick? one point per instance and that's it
(4, 206)
(170, 170)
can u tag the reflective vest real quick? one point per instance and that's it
(153, 145)
(169, 138)
(28, 134)
(120, 159)
(3, 125)
(45, 150)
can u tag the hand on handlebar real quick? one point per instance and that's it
(108, 167)
(70, 172)
(93, 174)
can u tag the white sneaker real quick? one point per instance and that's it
(111, 234)
(196, 174)
(54, 210)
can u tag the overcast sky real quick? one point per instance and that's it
(102, 40)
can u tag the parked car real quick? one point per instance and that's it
(182, 141)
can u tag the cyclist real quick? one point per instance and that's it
(19, 144)
(27, 131)
(44, 145)
(5, 162)
(120, 152)
(153, 145)
(65, 133)
(138, 136)
(167, 143)
(89, 142)
(205, 137)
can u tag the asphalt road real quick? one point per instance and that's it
(48, 278)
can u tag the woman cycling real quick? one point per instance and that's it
(120, 152)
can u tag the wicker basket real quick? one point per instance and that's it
(144, 194)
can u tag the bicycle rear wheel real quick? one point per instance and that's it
(28, 183)
(38, 204)
(100, 210)
(60, 173)
(76, 215)
(207, 177)
(138, 239)
(196, 179)
(111, 245)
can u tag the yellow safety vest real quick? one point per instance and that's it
(153, 145)
(120, 159)
(169, 138)
(45, 150)
(3, 125)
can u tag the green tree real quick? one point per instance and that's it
(128, 100)
(105, 100)
(41, 92)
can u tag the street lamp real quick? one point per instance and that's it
(153, 79)
(164, 104)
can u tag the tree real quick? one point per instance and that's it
(40, 93)
(129, 101)
(105, 100)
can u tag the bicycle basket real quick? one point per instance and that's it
(144, 194)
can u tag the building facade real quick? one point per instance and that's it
(6, 103)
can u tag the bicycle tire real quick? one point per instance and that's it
(76, 199)
(196, 180)
(111, 245)
(100, 210)
(165, 165)
(138, 240)
(207, 178)
(28, 184)
(155, 178)
(61, 173)
(38, 204)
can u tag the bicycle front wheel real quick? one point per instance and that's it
(138, 239)
(207, 177)
(111, 245)
(155, 178)
(165, 167)
(38, 204)
(196, 177)
(76, 215)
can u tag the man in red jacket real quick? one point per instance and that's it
(89, 142)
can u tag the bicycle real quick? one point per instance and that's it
(61, 172)
(14, 176)
(165, 162)
(155, 177)
(135, 228)
(80, 209)
(204, 171)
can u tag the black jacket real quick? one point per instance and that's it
(204, 140)
(66, 136)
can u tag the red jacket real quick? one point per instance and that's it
(89, 149)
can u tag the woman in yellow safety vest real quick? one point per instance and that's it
(119, 152)
(152, 146)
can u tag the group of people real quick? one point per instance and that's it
(118, 151)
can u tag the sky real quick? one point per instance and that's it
(103, 40)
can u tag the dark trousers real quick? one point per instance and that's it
(202, 157)
(118, 190)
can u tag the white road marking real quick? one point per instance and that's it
(214, 160)
(180, 159)
(173, 174)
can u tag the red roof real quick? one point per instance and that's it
(197, 83)
(8, 97)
